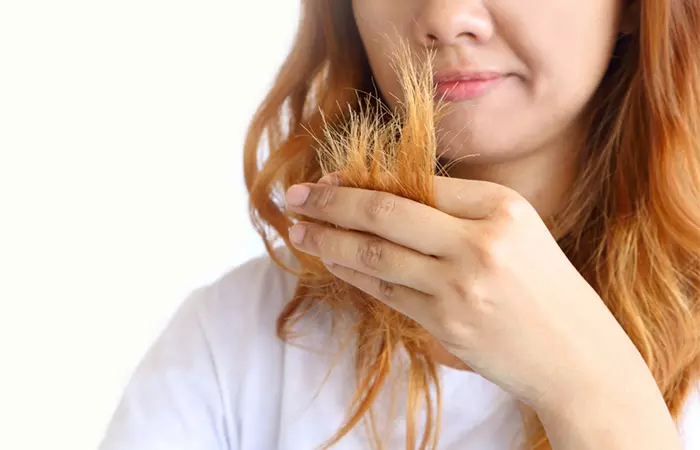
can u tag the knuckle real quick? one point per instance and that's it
(316, 238)
(379, 205)
(511, 207)
(444, 324)
(490, 253)
(488, 245)
(475, 298)
(458, 287)
(385, 289)
(450, 328)
(478, 300)
(471, 292)
(323, 196)
(370, 253)
(463, 238)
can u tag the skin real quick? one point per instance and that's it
(481, 271)
(529, 125)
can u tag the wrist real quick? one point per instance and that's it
(615, 378)
(629, 416)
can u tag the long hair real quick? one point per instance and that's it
(631, 225)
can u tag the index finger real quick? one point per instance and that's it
(458, 197)
(397, 219)
(469, 199)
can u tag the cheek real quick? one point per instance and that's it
(382, 24)
(385, 78)
(566, 49)
(570, 70)
(560, 49)
(577, 59)
(571, 50)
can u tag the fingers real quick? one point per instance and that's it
(403, 299)
(370, 255)
(405, 222)
(466, 199)
(470, 199)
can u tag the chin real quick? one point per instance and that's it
(484, 158)
(478, 148)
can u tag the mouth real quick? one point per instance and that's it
(466, 85)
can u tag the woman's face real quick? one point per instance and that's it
(525, 68)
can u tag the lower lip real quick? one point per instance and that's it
(466, 89)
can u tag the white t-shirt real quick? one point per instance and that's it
(218, 378)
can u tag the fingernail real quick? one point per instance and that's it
(328, 263)
(296, 233)
(297, 195)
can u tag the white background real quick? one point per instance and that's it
(121, 132)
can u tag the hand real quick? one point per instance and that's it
(482, 274)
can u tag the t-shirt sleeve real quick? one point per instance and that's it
(173, 400)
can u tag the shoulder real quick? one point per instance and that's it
(184, 392)
(237, 313)
(244, 298)
(238, 303)
(249, 288)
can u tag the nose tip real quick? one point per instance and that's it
(447, 22)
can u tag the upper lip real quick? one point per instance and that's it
(465, 75)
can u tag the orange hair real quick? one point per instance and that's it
(631, 225)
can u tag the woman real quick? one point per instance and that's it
(587, 112)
